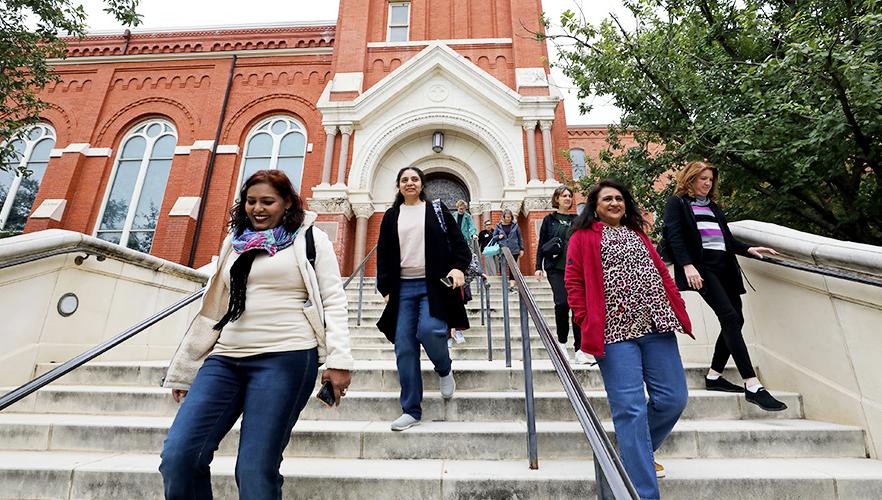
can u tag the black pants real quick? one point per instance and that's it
(562, 309)
(726, 304)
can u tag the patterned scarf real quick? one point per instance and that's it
(248, 245)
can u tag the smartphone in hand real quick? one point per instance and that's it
(447, 281)
(326, 394)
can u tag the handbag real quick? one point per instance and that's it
(492, 249)
(552, 248)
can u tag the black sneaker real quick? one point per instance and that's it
(764, 400)
(721, 385)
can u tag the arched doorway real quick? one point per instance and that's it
(448, 187)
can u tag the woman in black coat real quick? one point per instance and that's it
(421, 262)
(704, 252)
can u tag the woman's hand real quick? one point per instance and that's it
(474, 236)
(540, 273)
(386, 299)
(340, 379)
(501, 236)
(759, 251)
(179, 394)
(693, 277)
(457, 276)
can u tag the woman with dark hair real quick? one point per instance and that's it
(629, 310)
(421, 262)
(509, 235)
(704, 254)
(269, 317)
(551, 255)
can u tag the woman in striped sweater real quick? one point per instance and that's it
(704, 254)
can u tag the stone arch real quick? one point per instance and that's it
(402, 126)
(184, 120)
(443, 164)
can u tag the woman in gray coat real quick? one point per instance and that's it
(509, 235)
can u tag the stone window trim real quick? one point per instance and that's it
(34, 136)
(139, 130)
(266, 126)
(398, 31)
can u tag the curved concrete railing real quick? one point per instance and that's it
(112, 295)
(818, 335)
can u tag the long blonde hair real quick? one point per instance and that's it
(686, 178)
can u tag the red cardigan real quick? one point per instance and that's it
(584, 282)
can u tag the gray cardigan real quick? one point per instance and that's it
(513, 241)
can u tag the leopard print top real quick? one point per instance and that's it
(633, 290)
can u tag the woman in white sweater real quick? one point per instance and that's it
(269, 318)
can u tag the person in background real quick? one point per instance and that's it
(551, 256)
(704, 253)
(509, 235)
(470, 235)
(257, 358)
(421, 263)
(629, 310)
(491, 266)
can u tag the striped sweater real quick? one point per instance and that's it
(708, 226)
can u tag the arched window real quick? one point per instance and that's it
(278, 142)
(577, 156)
(17, 193)
(133, 200)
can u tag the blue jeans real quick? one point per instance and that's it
(641, 427)
(269, 391)
(416, 326)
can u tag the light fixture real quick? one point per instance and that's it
(68, 304)
(438, 141)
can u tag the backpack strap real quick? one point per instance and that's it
(310, 247)
(436, 204)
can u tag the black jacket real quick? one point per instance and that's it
(550, 228)
(683, 243)
(443, 253)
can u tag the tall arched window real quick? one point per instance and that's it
(133, 200)
(17, 193)
(278, 142)
(577, 156)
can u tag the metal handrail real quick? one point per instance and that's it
(52, 253)
(612, 480)
(360, 271)
(63, 369)
(824, 271)
(360, 266)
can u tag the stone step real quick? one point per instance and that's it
(381, 375)
(67, 475)
(443, 440)
(468, 351)
(383, 405)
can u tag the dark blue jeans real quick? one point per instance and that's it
(269, 391)
(642, 426)
(416, 326)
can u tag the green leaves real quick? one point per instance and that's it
(785, 97)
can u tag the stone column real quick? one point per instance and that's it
(345, 131)
(330, 137)
(545, 125)
(363, 212)
(530, 129)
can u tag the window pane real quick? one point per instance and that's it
(164, 147)
(293, 168)
(398, 34)
(6, 177)
(140, 241)
(151, 195)
(279, 127)
(24, 197)
(110, 236)
(41, 150)
(121, 195)
(293, 144)
(253, 165)
(398, 14)
(260, 145)
(134, 148)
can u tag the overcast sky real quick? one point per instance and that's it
(188, 13)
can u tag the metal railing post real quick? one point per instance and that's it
(505, 313)
(604, 492)
(360, 295)
(532, 449)
(489, 327)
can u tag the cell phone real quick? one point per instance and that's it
(326, 394)
(447, 281)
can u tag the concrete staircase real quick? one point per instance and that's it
(97, 433)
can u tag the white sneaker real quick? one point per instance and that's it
(447, 385)
(405, 421)
(449, 343)
(563, 347)
(458, 337)
(582, 359)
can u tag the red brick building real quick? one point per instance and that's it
(149, 134)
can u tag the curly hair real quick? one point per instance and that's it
(293, 217)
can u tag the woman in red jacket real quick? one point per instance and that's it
(629, 310)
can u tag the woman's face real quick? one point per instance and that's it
(703, 183)
(460, 209)
(410, 184)
(506, 218)
(610, 206)
(264, 206)
(565, 200)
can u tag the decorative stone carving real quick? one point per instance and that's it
(530, 125)
(438, 92)
(346, 129)
(513, 205)
(331, 206)
(545, 124)
(363, 210)
(331, 130)
(537, 204)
